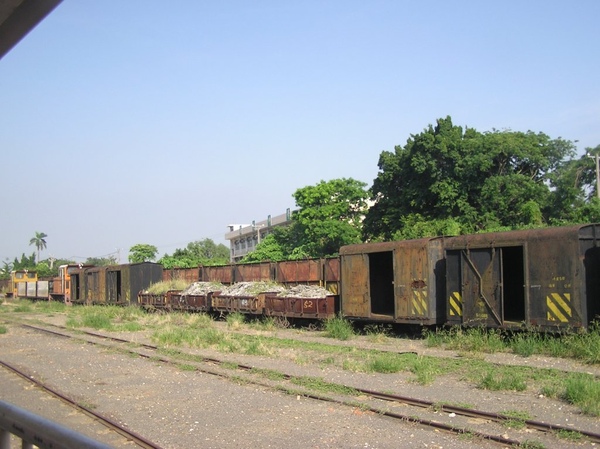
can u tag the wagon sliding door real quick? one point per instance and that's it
(113, 281)
(486, 285)
(368, 285)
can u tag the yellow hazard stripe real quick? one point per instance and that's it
(419, 303)
(559, 307)
(455, 302)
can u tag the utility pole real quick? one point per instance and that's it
(597, 159)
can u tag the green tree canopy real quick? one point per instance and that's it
(142, 253)
(267, 249)
(461, 181)
(26, 263)
(574, 191)
(101, 261)
(200, 252)
(329, 215)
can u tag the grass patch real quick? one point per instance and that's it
(583, 345)
(583, 390)
(477, 339)
(530, 444)
(269, 374)
(339, 328)
(502, 380)
(321, 386)
(23, 307)
(160, 288)
(387, 363)
(3, 329)
(515, 419)
(570, 435)
(425, 369)
(186, 367)
(378, 333)
(235, 321)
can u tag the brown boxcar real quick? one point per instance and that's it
(398, 282)
(546, 278)
(118, 284)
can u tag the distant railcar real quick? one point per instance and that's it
(19, 280)
(116, 284)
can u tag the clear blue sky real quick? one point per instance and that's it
(144, 121)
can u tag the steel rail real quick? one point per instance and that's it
(130, 435)
(462, 411)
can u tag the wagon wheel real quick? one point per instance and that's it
(282, 322)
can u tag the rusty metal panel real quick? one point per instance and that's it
(158, 301)
(394, 281)
(299, 271)
(454, 306)
(190, 303)
(31, 289)
(530, 277)
(314, 308)
(482, 281)
(57, 287)
(243, 304)
(95, 285)
(252, 272)
(222, 274)
(355, 293)
(138, 277)
(417, 281)
(556, 281)
(42, 289)
(117, 280)
(332, 269)
(589, 244)
(186, 274)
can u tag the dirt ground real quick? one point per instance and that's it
(177, 407)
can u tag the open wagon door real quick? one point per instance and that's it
(486, 286)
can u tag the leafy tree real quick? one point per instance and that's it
(101, 261)
(461, 181)
(574, 190)
(329, 216)
(267, 249)
(200, 252)
(26, 263)
(7, 267)
(39, 242)
(142, 253)
(44, 270)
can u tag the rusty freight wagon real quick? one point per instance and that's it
(547, 278)
(117, 284)
(397, 282)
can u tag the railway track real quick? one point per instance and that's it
(129, 435)
(372, 401)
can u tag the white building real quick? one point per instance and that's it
(243, 238)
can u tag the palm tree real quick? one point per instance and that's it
(39, 242)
